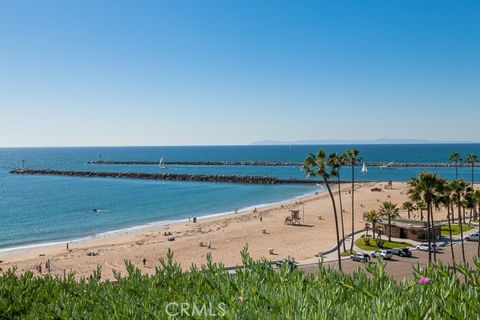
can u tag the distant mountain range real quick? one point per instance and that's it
(372, 141)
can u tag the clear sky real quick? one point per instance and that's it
(91, 72)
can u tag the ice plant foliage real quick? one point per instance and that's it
(211, 292)
(424, 280)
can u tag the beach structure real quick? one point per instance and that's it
(409, 229)
(293, 218)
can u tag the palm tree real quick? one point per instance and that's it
(426, 187)
(421, 206)
(389, 210)
(447, 201)
(476, 198)
(319, 166)
(351, 156)
(337, 161)
(472, 159)
(373, 217)
(469, 203)
(408, 205)
(459, 189)
(455, 157)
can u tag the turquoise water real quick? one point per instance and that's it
(39, 209)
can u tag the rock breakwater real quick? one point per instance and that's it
(152, 176)
(283, 163)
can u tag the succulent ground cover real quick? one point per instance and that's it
(255, 291)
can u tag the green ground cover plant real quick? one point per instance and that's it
(255, 291)
(455, 229)
(372, 244)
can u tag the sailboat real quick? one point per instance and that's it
(161, 164)
(364, 168)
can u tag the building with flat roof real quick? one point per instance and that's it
(409, 229)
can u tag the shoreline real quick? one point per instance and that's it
(264, 232)
(149, 226)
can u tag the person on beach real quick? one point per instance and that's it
(209, 244)
(67, 246)
(144, 261)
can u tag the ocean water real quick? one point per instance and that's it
(44, 209)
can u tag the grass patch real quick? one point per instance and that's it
(386, 244)
(455, 229)
(347, 253)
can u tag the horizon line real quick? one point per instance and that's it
(254, 144)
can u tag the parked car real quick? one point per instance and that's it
(402, 252)
(472, 237)
(385, 254)
(290, 262)
(424, 247)
(360, 256)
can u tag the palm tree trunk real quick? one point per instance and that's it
(470, 218)
(341, 210)
(478, 248)
(456, 170)
(450, 236)
(472, 174)
(408, 212)
(389, 227)
(432, 232)
(353, 206)
(461, 229)
(336, 223)
(428, 236)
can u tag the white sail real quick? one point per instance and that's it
(364, 168)
(161, 164)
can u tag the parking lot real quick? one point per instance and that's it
(401, 267)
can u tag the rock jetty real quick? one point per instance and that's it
(152, 176)
(282, 163)
(201, 163)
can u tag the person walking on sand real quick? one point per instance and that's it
(144, 261)
(209, 244)
(67, 246)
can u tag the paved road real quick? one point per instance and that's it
(400, 267)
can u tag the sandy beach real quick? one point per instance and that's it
(261, 230)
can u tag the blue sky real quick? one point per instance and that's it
(234, 72)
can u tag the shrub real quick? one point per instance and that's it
(255, 291)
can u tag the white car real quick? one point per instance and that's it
(424, 247)
(472, 237)
(385, 254)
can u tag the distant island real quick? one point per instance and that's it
(371, 141)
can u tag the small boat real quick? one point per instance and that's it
(364, 168)
(161, 164)
(388, 165)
